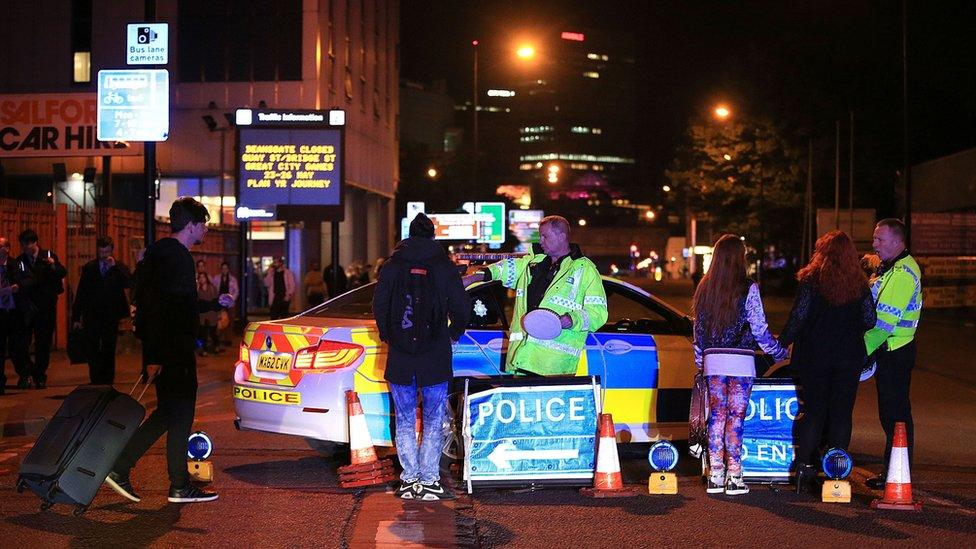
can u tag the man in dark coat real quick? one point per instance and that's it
(46, 284)
(167, 316)
(12, 306)
(427, 367)
(99, 306)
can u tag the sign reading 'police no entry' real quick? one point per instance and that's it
(531, 433)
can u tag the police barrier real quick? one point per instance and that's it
(538, 430)
(767, 435)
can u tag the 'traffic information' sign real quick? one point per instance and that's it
(133, 105)
(767, 434)
(147, 44)
(531, 433)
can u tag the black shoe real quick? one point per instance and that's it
(806, 478)
(190, 494)
(122, 485)
(408, 490)
(24, 383)
(434, 491)
(876, 483)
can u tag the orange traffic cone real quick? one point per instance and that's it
(607, 482)
(365, 469)
(898, 486)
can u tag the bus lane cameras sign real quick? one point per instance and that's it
(147, 44)
(544, 432)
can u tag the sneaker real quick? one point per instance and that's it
(876, 483)
(190, 494)
(735, 486)
(434, 491)
(716, 484)
(122, 485)
(409, 489)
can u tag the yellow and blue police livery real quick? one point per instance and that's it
(292, 374)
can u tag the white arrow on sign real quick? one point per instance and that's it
(506, 451)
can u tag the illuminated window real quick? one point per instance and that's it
(82, 71)
(591, 74)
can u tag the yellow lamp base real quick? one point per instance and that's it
(200, 471)
(836, 491)
(662, 483)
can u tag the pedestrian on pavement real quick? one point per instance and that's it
(226, 283)
(729, 324)
(832, 310)
(166, 321)
(331, 287)
(207, 329)
(898, 290)
(314, 285)
(100, 303)
(280, 282)
(13, 303)
(556, 276)
(43, 286)
(420, 308)
(201, 266)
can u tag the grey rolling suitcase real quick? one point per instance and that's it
(76, 451)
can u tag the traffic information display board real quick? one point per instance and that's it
(290, 166)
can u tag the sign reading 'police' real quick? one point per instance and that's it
(519, 433)
(147, 44)
(767, 433)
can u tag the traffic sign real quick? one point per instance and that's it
(767, 432)
(147, 44)
(531, 432)
(133, 105)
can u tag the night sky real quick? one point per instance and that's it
(806, 65)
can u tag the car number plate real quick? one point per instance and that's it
(274, 362)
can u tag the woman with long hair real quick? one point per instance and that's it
(207, 330)
(729, 325)
(832, 310)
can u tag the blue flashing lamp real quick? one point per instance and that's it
(837, 464)
(199, 446)
(663, 456)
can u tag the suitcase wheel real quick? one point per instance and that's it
(80, 510)
(46, 505)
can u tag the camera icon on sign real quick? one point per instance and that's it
(145, 35)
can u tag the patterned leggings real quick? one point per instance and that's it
(728, 400)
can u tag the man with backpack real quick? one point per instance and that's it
(418, 291)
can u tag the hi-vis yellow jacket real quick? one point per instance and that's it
(576, 290)
(898, 293)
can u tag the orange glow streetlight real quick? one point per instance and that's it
(525, 51)
(722, 112)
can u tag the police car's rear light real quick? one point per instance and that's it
(328, 356)
(245, 354)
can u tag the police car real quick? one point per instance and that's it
(292, 374)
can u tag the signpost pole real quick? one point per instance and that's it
(149, 163)
(335, 256)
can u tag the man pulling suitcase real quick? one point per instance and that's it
(167, 308)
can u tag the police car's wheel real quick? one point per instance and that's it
(327, 448)
(452, 429)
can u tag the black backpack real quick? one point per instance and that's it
(416, 319)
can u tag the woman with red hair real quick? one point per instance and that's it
(832, 310)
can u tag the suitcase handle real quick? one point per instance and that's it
(149, 381)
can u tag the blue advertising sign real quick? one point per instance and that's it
(767, 434)
(133, 105)
(288, 167)
(531, 433)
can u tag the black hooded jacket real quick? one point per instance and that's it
(434, 365)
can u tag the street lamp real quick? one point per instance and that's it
(525, 51)
(432, 173)
(722, 113)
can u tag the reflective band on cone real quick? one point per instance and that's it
(607, 481)
(898, 485)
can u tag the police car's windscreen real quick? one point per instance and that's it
(288, 166)
(355, 304)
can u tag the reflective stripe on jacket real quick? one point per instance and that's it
(899, 304)
(576, 290)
